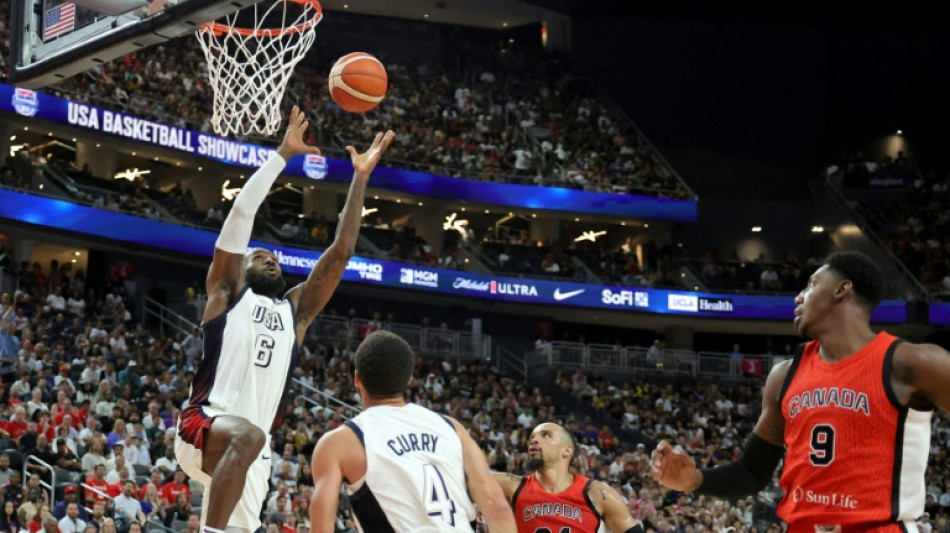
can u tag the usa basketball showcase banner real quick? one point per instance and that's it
(61, 111)
(45, 212)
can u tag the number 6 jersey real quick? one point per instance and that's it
(250, 351)
(855, 458)
(415, 474)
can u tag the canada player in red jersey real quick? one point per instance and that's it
(851, 414)
(554, 500)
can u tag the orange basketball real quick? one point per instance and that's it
(358, 82)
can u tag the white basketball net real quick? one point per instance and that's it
(248, 68)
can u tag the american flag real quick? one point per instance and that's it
(59, 20)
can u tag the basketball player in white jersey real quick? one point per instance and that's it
(251, 337)
(405, 468)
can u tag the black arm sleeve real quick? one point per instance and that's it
(750, 474)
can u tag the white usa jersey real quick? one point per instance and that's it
(249, 354)
(415, 474)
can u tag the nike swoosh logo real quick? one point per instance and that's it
(265, 457)
(558, 295)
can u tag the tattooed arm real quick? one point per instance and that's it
(508, 483)
(611, 507)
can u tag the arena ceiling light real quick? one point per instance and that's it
(229, 194)
(590, 235)
(756, 229)
(131, 173)
(453, 224)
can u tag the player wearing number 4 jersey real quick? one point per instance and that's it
(851, 414)
(251, 338)
(405, 468)
(553, 500)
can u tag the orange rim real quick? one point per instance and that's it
(221, 29)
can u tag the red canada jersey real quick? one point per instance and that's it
(855, 458)
(568, 511)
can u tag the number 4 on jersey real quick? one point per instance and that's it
(436, 495)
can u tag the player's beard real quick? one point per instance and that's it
(535, 463)
(263, 284)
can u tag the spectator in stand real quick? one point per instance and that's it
(167, 465)
(70, 496)
(5, 469)
(98, 516)
(93, 456)
(127, 507)
(17, 426)
(152, 504)
(72, 523)
(180, 509)
(108, 526)
(176, 486)
(65, 458)
(44, 453)
(50, 524)
(9, 520)
(13, 489)
(98, 484)
(31, 507)
(119, 469)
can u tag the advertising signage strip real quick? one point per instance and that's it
(940, 314)
(58, 214)
(61, 111)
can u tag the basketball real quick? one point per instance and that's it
(358, 82)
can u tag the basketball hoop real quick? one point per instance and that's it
(249, 67)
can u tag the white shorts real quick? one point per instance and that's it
(247, 513)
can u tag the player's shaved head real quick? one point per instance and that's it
(565, 437)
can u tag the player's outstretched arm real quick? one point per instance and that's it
(610, 505)
(485, 492)
(675, 469)
(226, 274)
(310, 296)
(327, 471)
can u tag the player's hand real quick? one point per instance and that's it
(363, 164)
(674, 468)
(293, 139)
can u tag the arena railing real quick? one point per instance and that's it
(636, 359)
(429, 341)
(109, 500)
(167, 317)
(313, 396)
(56, 475)
(912, 283)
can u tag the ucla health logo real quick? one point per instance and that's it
(25, 102)
(315, 166)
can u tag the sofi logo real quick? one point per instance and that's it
(682, 302)
(625, 298)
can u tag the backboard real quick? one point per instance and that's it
(52, 40)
